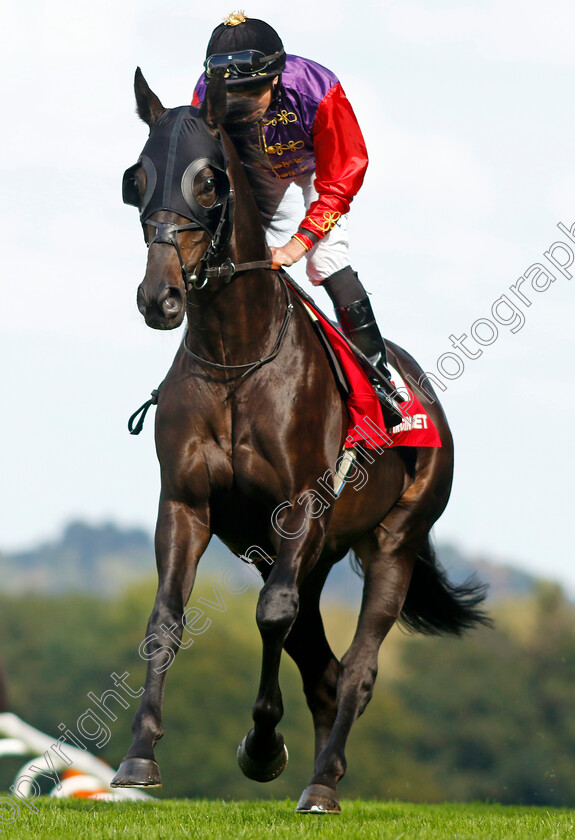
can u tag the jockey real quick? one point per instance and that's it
(311, 138)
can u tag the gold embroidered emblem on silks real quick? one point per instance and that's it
(285, 164)
(284, 117)
(330, 220)
(280, 148)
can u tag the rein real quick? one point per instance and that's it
(220, 230)
(250, 367)
(167, 232)
(136, 421)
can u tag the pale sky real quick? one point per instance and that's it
(467, 113)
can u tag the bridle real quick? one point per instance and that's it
(250, 367)
(167, 232)
(163, 192)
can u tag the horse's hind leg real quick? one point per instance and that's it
(388, 555)
(182, 535)
(388, 568)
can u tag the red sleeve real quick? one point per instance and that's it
(195, 99)
(340, 162)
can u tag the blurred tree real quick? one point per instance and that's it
(497, 706)
(3, 689)
(486, 717)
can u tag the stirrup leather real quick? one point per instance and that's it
(358, 323)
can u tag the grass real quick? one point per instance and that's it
(190, 819)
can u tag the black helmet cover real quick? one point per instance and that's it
(240, 35)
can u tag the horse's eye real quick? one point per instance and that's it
(205, 189)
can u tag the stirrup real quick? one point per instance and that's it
(392, 415)
(385, 391)
(382, 379)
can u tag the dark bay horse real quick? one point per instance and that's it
(248, 419)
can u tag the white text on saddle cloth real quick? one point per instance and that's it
(417, 428)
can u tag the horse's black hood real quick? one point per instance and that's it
(179, 146)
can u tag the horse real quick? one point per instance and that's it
(248, 418)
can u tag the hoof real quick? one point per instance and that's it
(262, 771)
(137, 772)
(318, 799)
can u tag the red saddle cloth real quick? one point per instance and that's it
(366, 424)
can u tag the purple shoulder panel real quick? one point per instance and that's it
(306, 82)
(288, 124)
(200, 88)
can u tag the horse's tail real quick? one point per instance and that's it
(434, 606)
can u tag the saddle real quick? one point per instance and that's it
(354, 374)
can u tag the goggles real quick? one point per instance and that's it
(241, 63)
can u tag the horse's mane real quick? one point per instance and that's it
(242, 126)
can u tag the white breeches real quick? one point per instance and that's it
(328, 255)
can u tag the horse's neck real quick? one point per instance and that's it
(248, 236)
(232, 322)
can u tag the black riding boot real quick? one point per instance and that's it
(357, 320)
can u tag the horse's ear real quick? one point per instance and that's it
(149, 106)
(214, 106)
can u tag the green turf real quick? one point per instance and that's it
(172, 819)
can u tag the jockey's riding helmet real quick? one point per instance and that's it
(250, 50)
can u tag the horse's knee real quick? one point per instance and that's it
(166, 613)
(277, 610)
(356, 683)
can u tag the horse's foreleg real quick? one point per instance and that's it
(310, 650)
(182, 535)
(262, 755)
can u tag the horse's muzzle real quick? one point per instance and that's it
(164, 311)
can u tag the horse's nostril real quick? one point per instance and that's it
(162, 306)
(171, 301)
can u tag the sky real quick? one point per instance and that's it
(467, 113)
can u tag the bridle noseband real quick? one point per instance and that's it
(167, 232)
(170, 187)
(250, 367)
